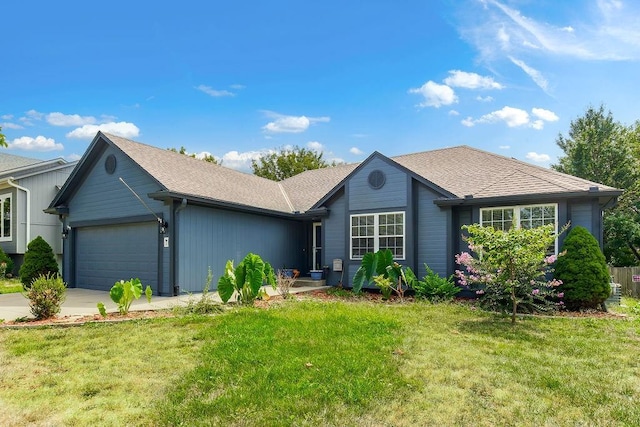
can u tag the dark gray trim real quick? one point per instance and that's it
(525, 198)
(115, 221)
(165, 196)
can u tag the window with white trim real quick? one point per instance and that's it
(372, 232)
(529, 216)
(5, 218)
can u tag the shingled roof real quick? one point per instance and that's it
(465, 173)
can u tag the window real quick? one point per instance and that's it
(372, 232)
(532, 216)
(5, 220)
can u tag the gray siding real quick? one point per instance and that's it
(392, 195)
(209, 237)
(433, 225)
(102, 199)
(336, 239)
(103, 196)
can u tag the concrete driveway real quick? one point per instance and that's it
(82, 302)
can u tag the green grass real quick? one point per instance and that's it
(10, 286)
(326, 363)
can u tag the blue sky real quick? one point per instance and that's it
(237, 79)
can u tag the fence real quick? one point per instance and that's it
(624, 276)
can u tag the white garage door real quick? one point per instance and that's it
(106, 254)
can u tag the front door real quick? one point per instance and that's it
(317, 245)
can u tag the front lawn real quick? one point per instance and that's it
(325, 363)
(10, 286)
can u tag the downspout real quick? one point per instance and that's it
(174, 248)
(28, 194)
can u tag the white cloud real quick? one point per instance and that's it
(39, 143)
(9, 125)
(34, 115)
(468, 122)
(513, 117)
(535, 75)
(546, 115)
(467, 80)
(356, 151)
(60, 119)
(290, 124)
(240, 161)
(73, 157)
(568, 29)
(484, 99)
(214, 92)
(505, 147)
(454, 113)
(537, 124)
(123, 129)
(237, 87)
(6, 117)
(315, 146)
(538, 158)
(435, 95)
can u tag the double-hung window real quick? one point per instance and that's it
(5, 219)
(530, 216)
(375, 231)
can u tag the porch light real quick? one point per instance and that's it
(65, 231)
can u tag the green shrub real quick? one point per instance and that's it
(582, 270)
(38, 260)
(46, 295)
(4, 258)
(435, 288)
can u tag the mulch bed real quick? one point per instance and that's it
(323, 295)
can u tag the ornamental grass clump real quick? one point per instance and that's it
(46, 295)
(510, 269)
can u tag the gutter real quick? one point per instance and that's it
(28, 194)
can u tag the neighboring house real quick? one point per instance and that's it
(27, 186)
(193, 215)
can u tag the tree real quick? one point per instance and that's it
(38, 260)
(582, 270)
(3, 141)
(287, 162)
(605, 151)
(206, 157)
(512, 267)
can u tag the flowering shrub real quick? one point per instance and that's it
(511, 268)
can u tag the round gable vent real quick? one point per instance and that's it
(376, 179)
(110, 164)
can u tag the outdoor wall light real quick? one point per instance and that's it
(65, 231)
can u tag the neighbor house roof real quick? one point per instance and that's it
(460, 173)
(11, 161)
(17, 167)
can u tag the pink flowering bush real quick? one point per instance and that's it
(510, 269)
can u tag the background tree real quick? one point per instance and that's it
(287, 162)
(602, 150)
(3, 141)
(207, 157)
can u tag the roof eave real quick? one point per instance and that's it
(203, 201)
(474, 201)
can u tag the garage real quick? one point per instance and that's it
(108, 253)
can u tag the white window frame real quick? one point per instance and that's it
(376, 232)
(4, 197)
(516, 215)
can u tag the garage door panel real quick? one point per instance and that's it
(106, 254)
